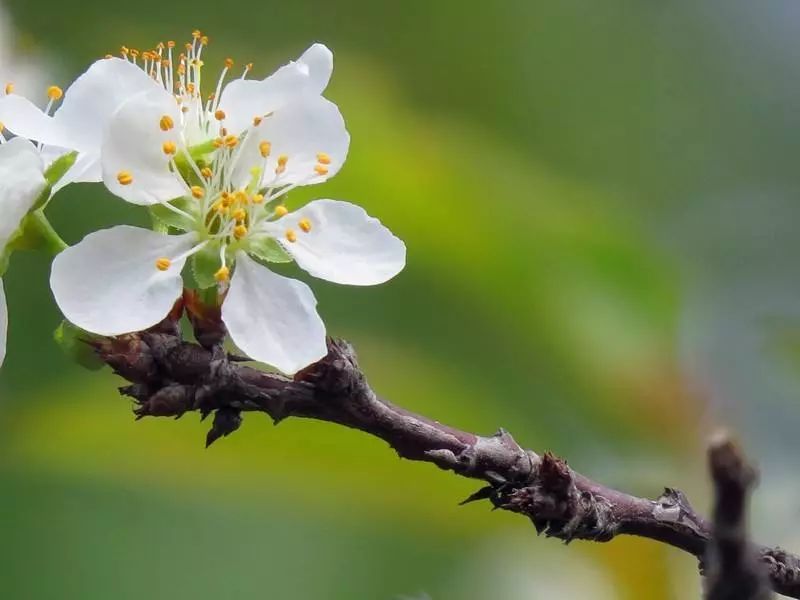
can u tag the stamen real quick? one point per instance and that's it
(323, 158)
(281, 211)
(231, 141)
(9, 88)
(239, 232)
(223, 275)
(258, 198)
(206, 173)
(305, 225)
(282, 160)
(219, 115)
(169, 147)
(166, 123)
(264, 148)
(257, 121)
(163, 264)
(125, 178)
(321, 170)
(197, 192)
(291, 235)
(239, 214)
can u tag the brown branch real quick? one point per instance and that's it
(170, 377)
(734, 572)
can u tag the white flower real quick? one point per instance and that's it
(21, 182)
(80, 120)
(218, 170)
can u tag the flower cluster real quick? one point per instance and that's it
(215, 172)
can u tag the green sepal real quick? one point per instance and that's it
(59, 167)
(163, 216)
(205, 264)
(267, 249)
(33, 233)
(73, 342)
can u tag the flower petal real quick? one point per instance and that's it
(243, 99)
(343, 243)
(94, 97)
(23, 118)
(303, 132)
(133, 144)
(21, 182)
(273, 319)
(3, 324)
(108, 283)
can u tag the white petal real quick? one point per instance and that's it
(94, 97)
(21, 182)
(273, 319)
(85, 169)
(133, 143)
(344, 245)
(3, 324)
(23, 118)
(244, 99)
(301, 131)
(109, 284)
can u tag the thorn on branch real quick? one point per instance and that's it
(226, 421)
(732, 567)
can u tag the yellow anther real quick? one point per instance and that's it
(281, 211)
(257, 121)
(305, 225)
(125, 178)
(223, 275)
(239, 231)
(134, 52)
(221, 208)
(219, 114)
(239, 214)
(160, 46)
(196, 33)
(321, 170)
(264, 148)
(166, 123)
(108, 56)
(282, 160)
(231, 141)
(197, 192)
(206, 173)
(184, 109)
(190, 88)
(258, 198)
(9, 88)
(188, 46)
(204, 40)
(124, 51)
(291, 235)
(54, 92)
(169, 147)
(228, 63)
(249, 66)
(227, 199)
(2, 127)
(170, 44)
(218, 143)
(323, 158)
(241, 197)
(162, 264)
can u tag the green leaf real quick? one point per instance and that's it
(269, 250)
(164, 216)
(204, 265)
(72, 341)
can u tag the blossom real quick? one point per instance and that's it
(78, 123)
(218, 169)
(21, 182)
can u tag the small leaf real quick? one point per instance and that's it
(268, 249)
(204, 265)
(72, 341)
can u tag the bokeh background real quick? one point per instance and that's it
(600, 202)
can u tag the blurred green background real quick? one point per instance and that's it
(600, 204)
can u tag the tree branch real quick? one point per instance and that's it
(734, 571)
(170, 377)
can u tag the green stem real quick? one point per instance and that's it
(52, 240)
